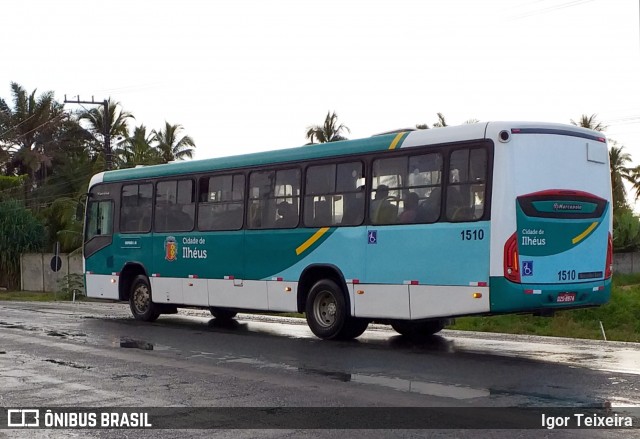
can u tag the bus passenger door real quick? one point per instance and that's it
(225, 267)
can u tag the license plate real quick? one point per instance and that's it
(566, 297)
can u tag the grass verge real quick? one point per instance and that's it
(37, 296)
(26, 296)
(620, 318)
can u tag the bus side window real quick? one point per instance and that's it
(135, 207)
(221, 202)
(334, 195)
(175, 206)
(268, 190)
(467, 180)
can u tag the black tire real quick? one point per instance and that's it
(222, 313)
(353, 328)
(326, 310)
(140, 300)
(417, 329)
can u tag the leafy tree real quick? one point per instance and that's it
(11, 186)
(626, 231)
(61, 200)
(138, 149)
(330, 131)
(20, 232)
(171, 145)
(63, 220)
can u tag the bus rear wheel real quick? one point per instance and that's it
(417, 329)
(140, 300)
(327, 314)
(222, 314)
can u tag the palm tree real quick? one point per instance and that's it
(441, 122)
(28, 131)
(330, 131)
(590, 122)
(618, 160)
(137, 149)
(115, 125)
(171, 145)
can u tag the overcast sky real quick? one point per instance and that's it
(252, 75)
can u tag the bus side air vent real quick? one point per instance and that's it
(511, 263)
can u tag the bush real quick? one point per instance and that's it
(69, 284)
(20, 232)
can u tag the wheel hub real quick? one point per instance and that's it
(141, 299)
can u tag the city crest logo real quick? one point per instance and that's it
(170, 248)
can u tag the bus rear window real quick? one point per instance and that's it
(562, 204)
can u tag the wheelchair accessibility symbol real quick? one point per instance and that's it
(527, 268)
(373, 236)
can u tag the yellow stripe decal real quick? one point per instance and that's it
(584, 234)
(309, 242)
(396, 140)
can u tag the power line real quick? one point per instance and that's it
(16, 126)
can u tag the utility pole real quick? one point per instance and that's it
(107, 134)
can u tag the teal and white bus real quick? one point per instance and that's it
(408, 228)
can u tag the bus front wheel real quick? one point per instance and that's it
(140, 301)
(417, 329)
(326, 310)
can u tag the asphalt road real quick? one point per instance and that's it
(96, 355)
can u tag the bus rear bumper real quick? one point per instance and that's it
(509, 297)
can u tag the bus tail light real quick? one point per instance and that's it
(608, 270)
(511, 263)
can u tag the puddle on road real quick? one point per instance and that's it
(389, 382)
(67, 363)
(616, 357)
(136, 376)
(15, 326)
(62, 334)
(404, 385)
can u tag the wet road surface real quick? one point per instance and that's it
(96, 355)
